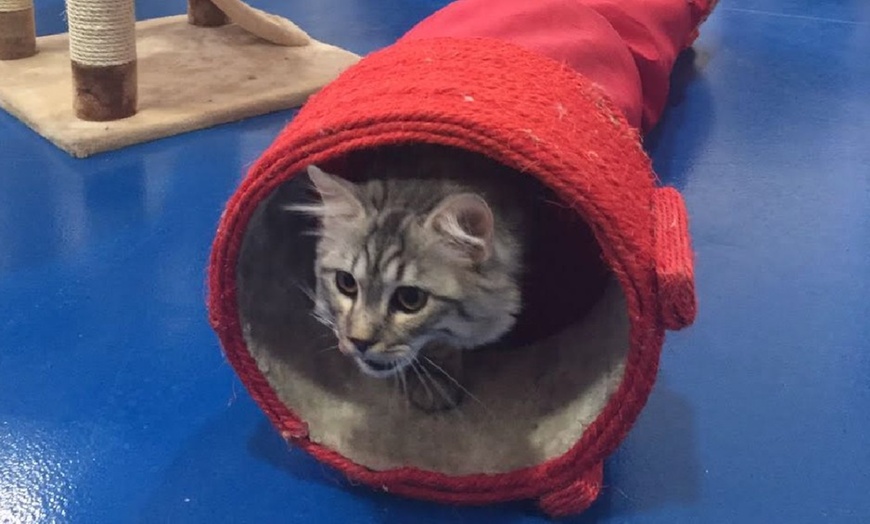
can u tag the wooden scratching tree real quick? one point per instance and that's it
(102, 47)
(112, 81)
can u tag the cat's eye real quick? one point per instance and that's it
(409, 299)
(345, 283)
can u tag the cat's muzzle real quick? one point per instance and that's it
(381, 368)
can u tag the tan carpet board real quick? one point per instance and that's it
(189, 78)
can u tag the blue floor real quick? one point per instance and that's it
(117, 406)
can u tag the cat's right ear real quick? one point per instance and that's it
(467, 224)
(338, 195)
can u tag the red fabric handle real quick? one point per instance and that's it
(675, 271)
(577, 497)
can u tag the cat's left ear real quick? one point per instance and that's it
(465, 221)
(338, 195)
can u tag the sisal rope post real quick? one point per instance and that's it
(102, 42)
(17, 29)
(204, 13)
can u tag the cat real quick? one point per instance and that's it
(418, 260)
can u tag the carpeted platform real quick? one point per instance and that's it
(189, 78)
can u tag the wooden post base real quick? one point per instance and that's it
(203, 13)
(17, 34)
(104, 93)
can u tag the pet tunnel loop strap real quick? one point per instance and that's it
(674, 260)
(577, 496)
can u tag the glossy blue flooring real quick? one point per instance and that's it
(117, 406)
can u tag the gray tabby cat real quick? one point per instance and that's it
(418, 261)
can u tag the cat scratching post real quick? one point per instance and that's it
(102, 46)
(563, 98)
(134, 82)
(204, 13)
(17, 29)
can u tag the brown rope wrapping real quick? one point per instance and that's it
(17, 29)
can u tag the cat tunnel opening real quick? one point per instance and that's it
(530, 397)
(560, 399)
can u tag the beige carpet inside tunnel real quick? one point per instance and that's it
(531, 403)
(189, 78)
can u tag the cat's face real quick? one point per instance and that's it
(391, 279)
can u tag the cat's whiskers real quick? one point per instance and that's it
(321, 317)
(321, 351)
(456, 383)
(440, 390)
(413, 364)
(306, 209)
(323, 320)
(316, 313)
(306, 290)
(401, 384)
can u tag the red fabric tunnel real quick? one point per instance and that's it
(559, 89)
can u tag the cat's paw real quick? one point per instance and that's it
(434, 394)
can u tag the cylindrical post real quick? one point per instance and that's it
(102, 41)
(204, 13)
(17, 29)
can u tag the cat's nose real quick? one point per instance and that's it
(362, 345)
